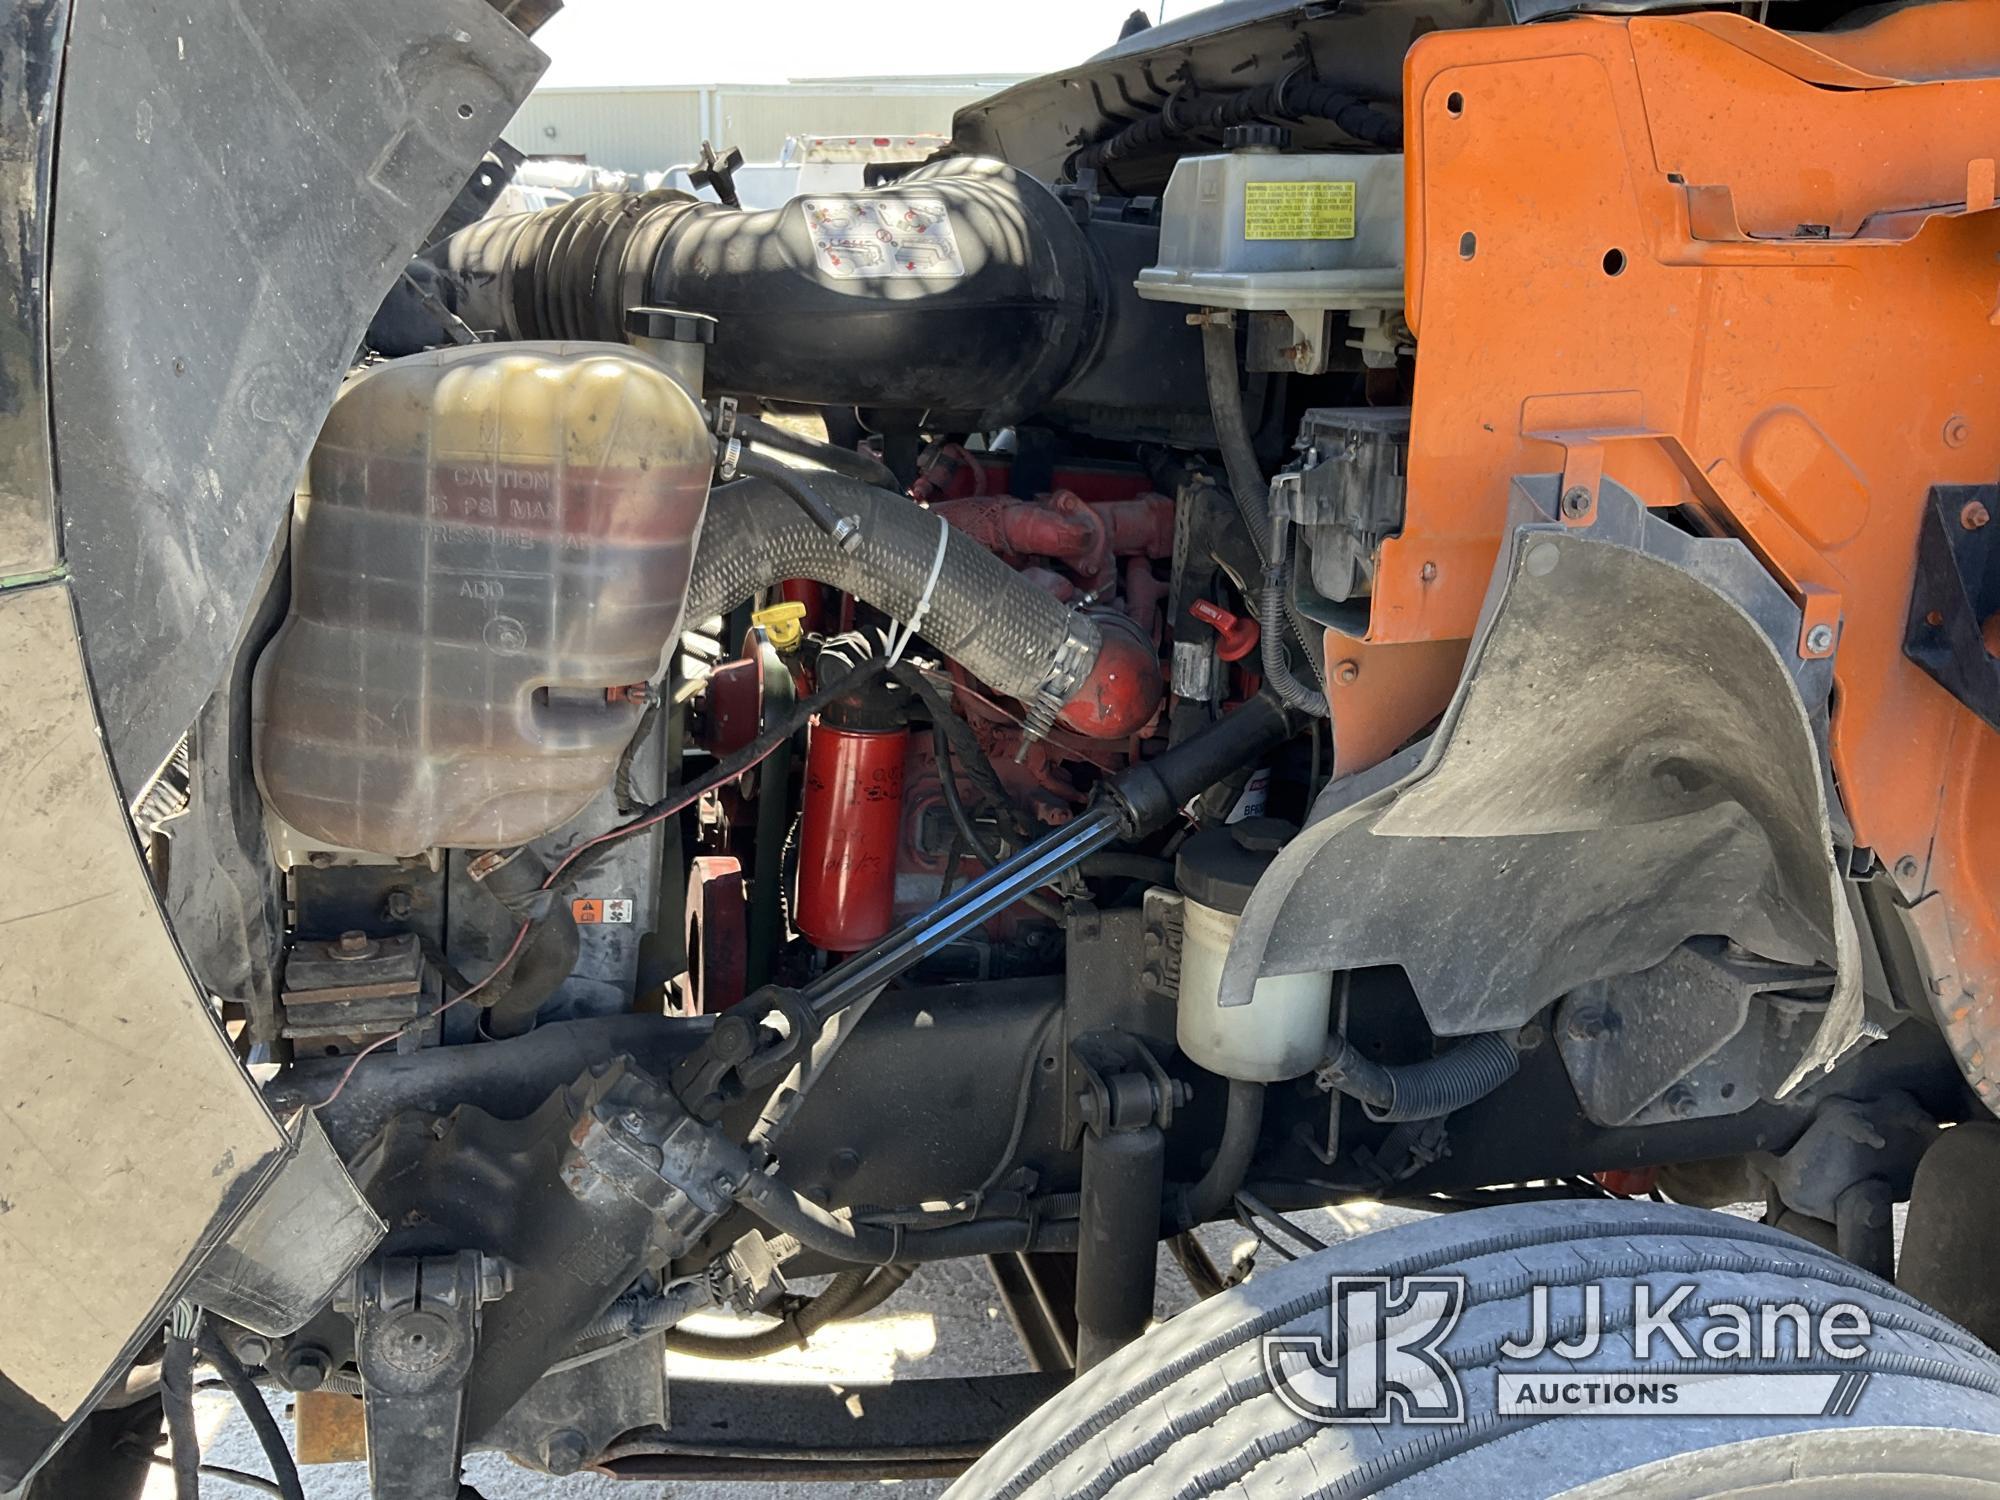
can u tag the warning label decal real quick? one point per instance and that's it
(590, 911)
(1298, 210)
(874, 239)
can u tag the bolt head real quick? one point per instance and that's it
(1680, 1102)
(1973, 516)
(1576, 502)
(1956, 431)
(1907, 867)
(1428, 571)
(307, 1367)
(1819, 640)
(1588, 1026)
(253, 1348)
(1347, 671)
(564, 1451)
(632, 1122)
(353, 944)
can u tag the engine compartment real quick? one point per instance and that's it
(951, 720)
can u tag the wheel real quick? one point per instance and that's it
(1188, 1411)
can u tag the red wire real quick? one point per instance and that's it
(520, 936)
(666, 811)
(521, 933)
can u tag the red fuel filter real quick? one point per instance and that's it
(849, 829)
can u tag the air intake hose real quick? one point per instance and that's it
(1089, 673)
(965, 290)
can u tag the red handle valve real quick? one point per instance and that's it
(1236, 638)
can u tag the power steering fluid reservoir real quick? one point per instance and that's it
(490, 548)
(1281, 1033)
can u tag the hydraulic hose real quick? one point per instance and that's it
(849, 1295)
(1010, 634)
(881, 1245)
(1247, 485)
(841, 530)
(1427, 1090)
(639, 1316)
(841, 460)
(1269, 533)
(1242, 1119)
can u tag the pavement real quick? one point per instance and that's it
(945, 1322)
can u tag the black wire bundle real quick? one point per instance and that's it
(1188, 115)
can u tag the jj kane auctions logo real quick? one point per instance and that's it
(1382, 1357)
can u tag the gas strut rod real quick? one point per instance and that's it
(1136, 801)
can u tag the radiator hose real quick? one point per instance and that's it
(1427, 1090)
(1088, 673)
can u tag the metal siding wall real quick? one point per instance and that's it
(640, 130)
(632, 129)
(758, 122)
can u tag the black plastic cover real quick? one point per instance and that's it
(1219, 866)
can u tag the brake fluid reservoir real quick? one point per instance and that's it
(1281, 1033)
(488, 542)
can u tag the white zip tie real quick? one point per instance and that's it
(923, 600)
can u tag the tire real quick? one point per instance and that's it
(106, 1458)
(1188, 1412)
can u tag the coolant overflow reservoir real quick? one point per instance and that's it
(1281, 1033)
(490, 544)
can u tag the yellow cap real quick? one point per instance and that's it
(783, 624)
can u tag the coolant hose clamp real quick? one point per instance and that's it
(1067, 671)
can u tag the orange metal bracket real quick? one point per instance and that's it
(1775, 259)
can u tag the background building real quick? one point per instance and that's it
(644, 129)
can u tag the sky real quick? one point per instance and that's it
(770, 41)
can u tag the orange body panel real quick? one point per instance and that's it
(1749, 274)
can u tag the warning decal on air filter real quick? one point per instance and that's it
(880, 238)
(590, 911)
(1298, 210)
